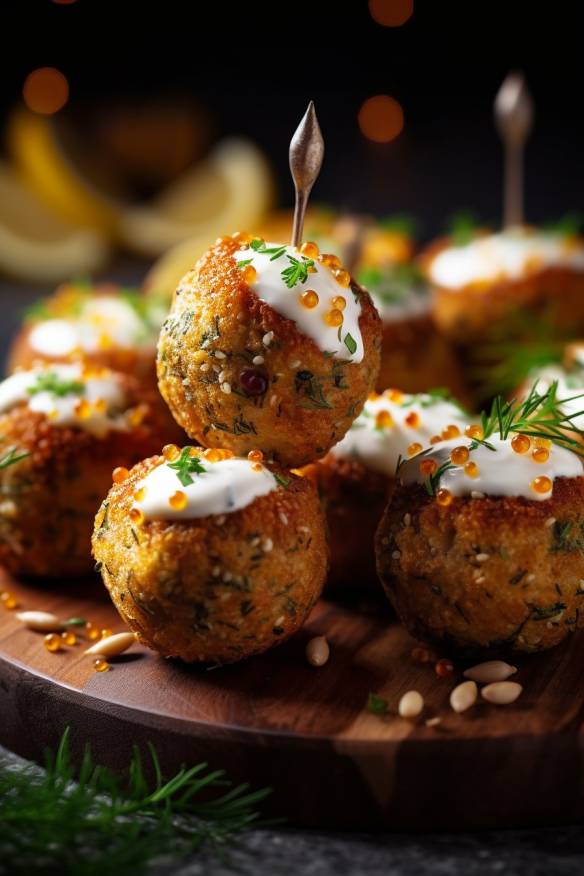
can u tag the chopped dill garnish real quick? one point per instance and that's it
(186, 465)
(49, 381)
(275, 252)
(569, 225)
(244, 263)
(350, 343)
(462, 228)
(12, 455)
(281, 481)
(377, 705)
(297, 272)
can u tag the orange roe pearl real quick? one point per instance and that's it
(472, 470)
(414, 448)
(310, 249)
(92, 631)
(136, 516)
(444, 668)
(213, 454)
(412, 420)
(257, 466)
(450, 431)
(520, 443)
(100, 665)
(100, 405)
(373, 396)
(543, 442)
(383, 420)
(343, 278)
(459, 455)
(474, 431)
(69, 637)
(334, 318)
(170, 452)
(396, 396)
(428, 466)
(139, 494)
(339, 302)
(444, 498)
(309, 299)
(9, 601)
(421, 655)
(541, 484)
(249, 274)
(255, 455)
(540, 454)
(330, 260)
(242, 237)
(83, 409)
(178, 500)
(435, 439)
(105, 633)
(52, 642)
(195, 451)
(120, 474)
(137, 415)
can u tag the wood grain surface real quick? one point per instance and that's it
(306, 732)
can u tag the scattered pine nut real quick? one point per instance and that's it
(433, 722)
(501, 693)
(318, 651)
(411, 704)
(42, 621)
(490, 671)
(464, 696)
(112, 646)
(482, 558)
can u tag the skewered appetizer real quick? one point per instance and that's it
(104, 325)
(211, 557)
(63, 428)
(494, 277)
(271, 345)
(354, 480)
(481, 544)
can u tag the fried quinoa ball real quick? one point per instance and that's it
(103, 325)
(56, 464)
(481, 570)
(217, 587)
(236, 372)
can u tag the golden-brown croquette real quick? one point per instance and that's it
(217, 588)
(500, 574)
(236, 373)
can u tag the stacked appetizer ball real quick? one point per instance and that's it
(63, 429)
(355, 479)
(480, 545)
(267, 357)
(104, 325)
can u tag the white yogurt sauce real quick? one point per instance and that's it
(570, 390)
(224, 487)
(380, 447)
(103, 321)
(502, 472)
(345, 343)
(508, 255)
(104, 395)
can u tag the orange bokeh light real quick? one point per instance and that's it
(381, 118)
(45, 90)
(391, 13)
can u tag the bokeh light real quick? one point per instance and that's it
(391, 13)
(381, 118)
(45, 90)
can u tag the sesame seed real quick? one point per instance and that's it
(407, 519)
(226, 388)
(186, 382)
(530, 578)
(273, 400)
(303, 529)
(283, 518)
(219, 521)
(227, 576)
(255, 541)
(433, 722)
(550, 521)
(258, 360)
(476, 494)
(267, 545)
(280, 621)
(481, 580)
(216, 571)
(219, 354)
(295, 363)
(216, 369)
(396, 555)
(482, 558)
(204, 367)
(221, 376)
(267, 339)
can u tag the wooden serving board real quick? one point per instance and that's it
(274, 720)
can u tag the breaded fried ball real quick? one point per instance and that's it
(268, 346)
(493, 560)
(209, 557)
(62, 432)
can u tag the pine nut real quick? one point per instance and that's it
(491, 670)
(464, 696)
(501, 693)
(43, 621)
(318, 651)
(411, 704)
(112, 645)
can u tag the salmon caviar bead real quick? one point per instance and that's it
(373, 396)
(136, 516)
(242, 237)
(444, 498)
(213, 454)
(139, 494)
(194, 451)
(200, 356)
(540, 454)
(120, 474)
(330, 260)
(100, 405)
(249, 274)
(178, 500)
(334, 318)
(435, 439)
(444, 668)
(136, 415)
(83, 409)
(105, 633)
(69, 637)
(255, 455)
(310, 249)
(520, 443)
(459, 455)
(412, 420)
(343, 278)
(339, 302)
(52, 642)
(543, 442)
(451, 431)
(421, 655)
(383, 420)
(414, 448)
(100, 665)
(9, 601)
(472, 470)
(474, 431)
(256, 466)
(428, 466)
(396, 396)
(91, 630)
(309, 299)
(541, 484)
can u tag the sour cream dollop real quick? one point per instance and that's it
(96, 404)
(225, 486)
(344, 342)
(501, 472)
(390, 423)
(508, 255)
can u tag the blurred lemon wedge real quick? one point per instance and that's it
(228, 192)
(36, 245)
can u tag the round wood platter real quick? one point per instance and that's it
(276, 721)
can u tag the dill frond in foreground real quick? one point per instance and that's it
(92, 822)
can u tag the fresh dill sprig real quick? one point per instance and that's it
(93, 822)
(462, 228)
(297, 272)
(186, 465)
(569, 225)
(275, 252)
(49, 381)
(12, 455)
